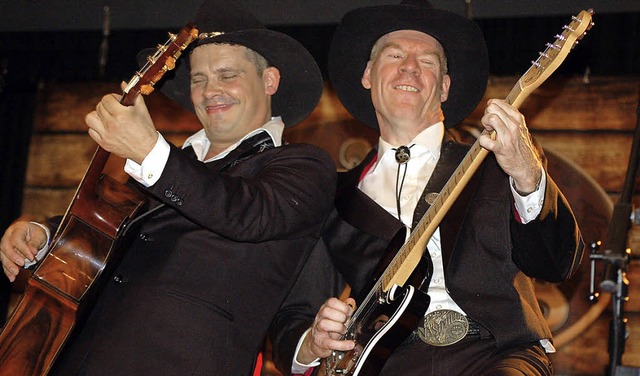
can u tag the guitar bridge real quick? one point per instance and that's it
(341, 363)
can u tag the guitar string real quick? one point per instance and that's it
(363, 313)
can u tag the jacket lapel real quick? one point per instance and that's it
(356, 208)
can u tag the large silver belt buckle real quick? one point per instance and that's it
(443, 328)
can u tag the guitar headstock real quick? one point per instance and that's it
(551, 58)
(162, 61)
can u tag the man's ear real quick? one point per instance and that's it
(271, 79)
(366, 77)
(446, 83)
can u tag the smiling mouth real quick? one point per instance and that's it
(407, 88)
(216, 107)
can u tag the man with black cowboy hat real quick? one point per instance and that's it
(237, 210)
(412, 71)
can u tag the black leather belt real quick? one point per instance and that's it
(474, 329)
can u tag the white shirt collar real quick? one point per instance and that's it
(430, 138)
(201, 144)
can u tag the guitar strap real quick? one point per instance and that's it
(451, 155)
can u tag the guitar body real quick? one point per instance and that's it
(388, 321)
(82, 250)
(55, 295)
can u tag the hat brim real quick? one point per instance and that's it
(300, 85)
(461, 38)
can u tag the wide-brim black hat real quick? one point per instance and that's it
(461, 38)
(227, 22)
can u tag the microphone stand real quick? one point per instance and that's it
(616, 257)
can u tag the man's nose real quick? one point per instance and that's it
(211, 89)
(410, 66)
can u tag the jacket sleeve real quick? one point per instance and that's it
(318, 281)
(274, 194)
(550, 247)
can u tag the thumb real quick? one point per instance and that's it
(352, 305)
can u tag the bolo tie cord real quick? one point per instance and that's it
(403, 153)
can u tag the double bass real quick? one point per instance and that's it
(86, 242)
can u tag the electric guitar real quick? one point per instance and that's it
(389, 298)
(86, 240)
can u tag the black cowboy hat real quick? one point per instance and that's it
(461, 38)
(228, 22)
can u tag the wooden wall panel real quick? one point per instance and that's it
(62, 108)
(574, 103)
(41, 203)
(58, 160)
(605, 156)
(607, 104)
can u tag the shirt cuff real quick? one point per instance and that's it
(42, 251)
(299, 368)
(529, 206)
(149, 172)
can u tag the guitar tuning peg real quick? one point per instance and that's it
(170, 64)
(146, 89)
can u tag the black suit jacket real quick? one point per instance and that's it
(489, 258)
(196, 290)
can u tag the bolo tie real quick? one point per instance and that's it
(403, 153)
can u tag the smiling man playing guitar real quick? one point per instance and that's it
(233, 216)
(412, 71)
